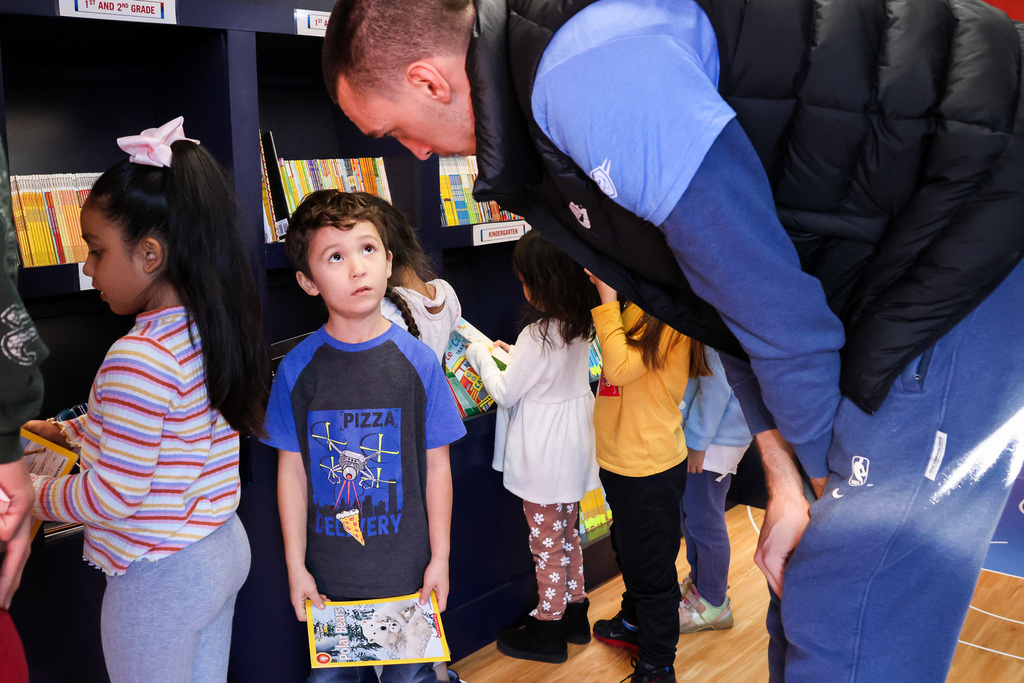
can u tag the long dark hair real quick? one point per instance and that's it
(699, 365)
(191, 208)
(560, 291)
(645, 334)
(342, 210)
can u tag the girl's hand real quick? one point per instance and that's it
(606, 293)
(48, 430)
(504, 346)
(302, 587)
(694, 461)
(435, 578)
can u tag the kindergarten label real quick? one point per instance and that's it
(152, 11)
(507, 231)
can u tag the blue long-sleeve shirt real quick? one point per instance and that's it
(628, 89)
(711, 411)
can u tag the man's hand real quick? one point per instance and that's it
(695, 461)
(784, 524)
(15, 524)
(302, 587)
(787, 513)
(435, 578)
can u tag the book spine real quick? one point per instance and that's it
(42, 242)
(278, 198)
(369, 183)
(383, 176)
(72, 217)
(51, 217)
(269, 229)
(21, 230)
(291, 186)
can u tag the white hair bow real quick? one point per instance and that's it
(152, 146)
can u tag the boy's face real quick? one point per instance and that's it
(350, 270)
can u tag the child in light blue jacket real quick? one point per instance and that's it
(716, 438)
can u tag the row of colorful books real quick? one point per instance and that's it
(457, 175)
(286, 183)
(47, 210)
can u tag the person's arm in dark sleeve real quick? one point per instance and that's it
(736, 256)
(21, 395)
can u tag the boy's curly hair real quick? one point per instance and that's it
(341, 211)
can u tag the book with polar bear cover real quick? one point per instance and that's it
(391, 631)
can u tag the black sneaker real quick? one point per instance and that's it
(614, 632)
(645, 673)
(577, 624)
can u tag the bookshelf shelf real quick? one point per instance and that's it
(44, 281)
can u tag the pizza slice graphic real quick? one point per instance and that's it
(350, 522)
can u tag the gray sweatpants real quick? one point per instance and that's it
(170, 620)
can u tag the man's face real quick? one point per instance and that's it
(411, 115)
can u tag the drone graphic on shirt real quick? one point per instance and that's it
(352, 472)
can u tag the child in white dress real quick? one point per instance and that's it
(547, 450)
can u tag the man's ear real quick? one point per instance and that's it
(307, 285)
(427, 78)
(153, 254)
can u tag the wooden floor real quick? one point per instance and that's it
(991, 646)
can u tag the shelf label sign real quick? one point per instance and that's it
(491, 233)
(84, 281)
(311, 23)
(153, 11)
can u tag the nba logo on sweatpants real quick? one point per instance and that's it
(860, 470)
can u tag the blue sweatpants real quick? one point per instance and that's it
(879, 586)
(170, 620)
(707, 538)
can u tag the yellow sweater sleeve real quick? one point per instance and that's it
(621, 363)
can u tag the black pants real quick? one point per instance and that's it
(645, 537)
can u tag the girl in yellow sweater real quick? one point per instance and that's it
(641, 452)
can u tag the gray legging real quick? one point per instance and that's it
(170, 620)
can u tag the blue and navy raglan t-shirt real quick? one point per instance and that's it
(363, 416)
(629, 90)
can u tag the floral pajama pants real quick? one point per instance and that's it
(557, 557)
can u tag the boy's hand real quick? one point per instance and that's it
(435, 578)
(302, 587)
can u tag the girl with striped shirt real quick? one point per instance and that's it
(159, 444)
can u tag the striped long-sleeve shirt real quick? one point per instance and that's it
(159, 464)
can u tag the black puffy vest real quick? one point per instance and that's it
(891, 131)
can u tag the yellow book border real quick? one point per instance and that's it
(70, 459)
(386, 662)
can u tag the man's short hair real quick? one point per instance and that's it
(370, 42)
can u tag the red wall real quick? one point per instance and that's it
(1015, 8)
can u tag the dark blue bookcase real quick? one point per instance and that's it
(68, 88)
